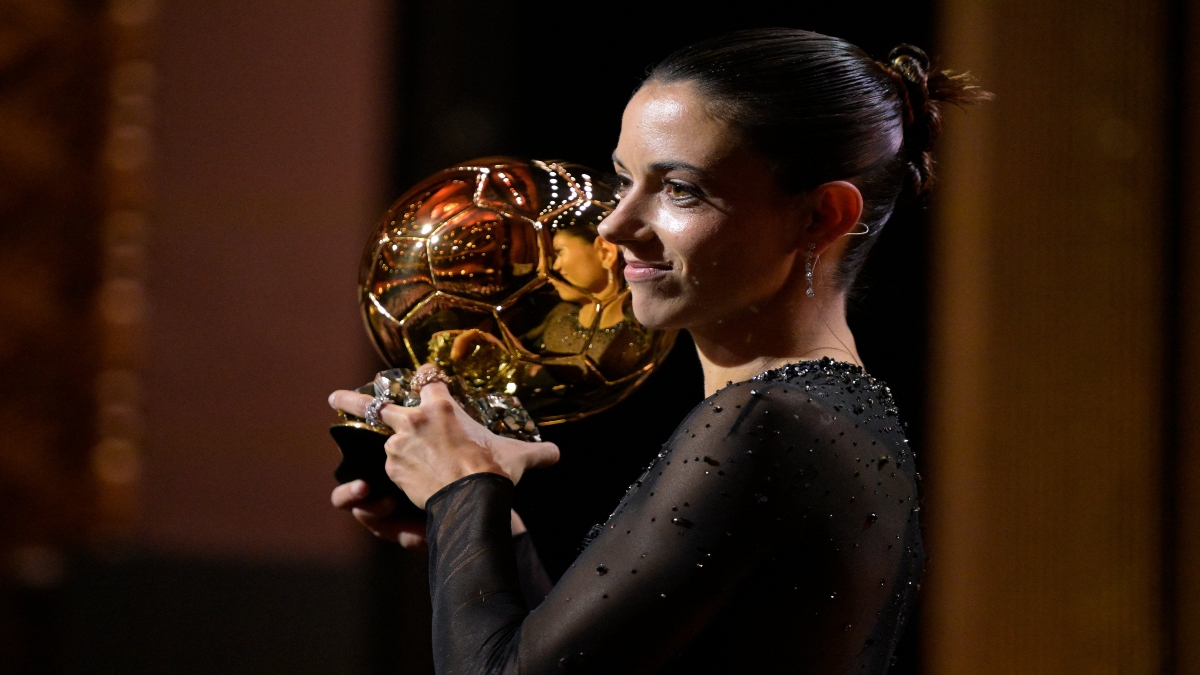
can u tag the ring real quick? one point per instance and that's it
(373, 410)
(428, 376)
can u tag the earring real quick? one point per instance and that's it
(612, 277)
(809, 263)
(866, 229)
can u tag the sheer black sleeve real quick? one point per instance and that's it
(531, 574)
(776, 528)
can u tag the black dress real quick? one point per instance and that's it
(776, 532)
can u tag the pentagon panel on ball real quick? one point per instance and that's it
(494, 270)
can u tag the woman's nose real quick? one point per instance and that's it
(623, 224)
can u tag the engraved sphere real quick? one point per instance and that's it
(493, 269)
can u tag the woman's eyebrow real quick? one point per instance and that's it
(665, 166)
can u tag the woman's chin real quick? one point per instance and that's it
(657, 314)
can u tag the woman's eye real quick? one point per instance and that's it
(621, 185)
(680, 192)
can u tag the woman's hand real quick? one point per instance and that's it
(378, 516)
(437, 443)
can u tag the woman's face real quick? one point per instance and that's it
(704, 230)
(577, 260)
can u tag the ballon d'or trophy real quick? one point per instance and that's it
(494, 271)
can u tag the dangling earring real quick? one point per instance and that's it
(809, 261)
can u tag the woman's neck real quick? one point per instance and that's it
(756, 339)
(612, 313)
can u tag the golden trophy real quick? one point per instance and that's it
(494, 271)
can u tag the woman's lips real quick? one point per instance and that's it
(640, 271)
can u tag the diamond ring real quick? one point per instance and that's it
(373, 410)
(427, 376)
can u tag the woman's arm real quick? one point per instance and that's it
(745, 473)
(379, 517)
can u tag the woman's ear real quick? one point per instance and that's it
(606, 252)
(837, 207)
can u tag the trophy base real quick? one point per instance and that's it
(363, 458)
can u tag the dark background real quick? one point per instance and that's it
(549, 81)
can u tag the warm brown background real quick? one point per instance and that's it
(272, 146)
(188, 531)
(1063, 405)
(184, 189)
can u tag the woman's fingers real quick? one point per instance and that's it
(430, 449)
(516, 457)
(349, 494)
(350, 401)
(542, 455)
(435, 393)
(397, 417)
(352, 497)
(387, 527)
(411, 539)
(378, 516)
(532, 455)
(529, 456)
(380, 510)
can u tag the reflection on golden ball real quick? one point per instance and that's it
(493, 269)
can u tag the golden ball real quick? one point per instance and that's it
(494, 270)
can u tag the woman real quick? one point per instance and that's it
(589, 266)
(594, 311)
(777, 531)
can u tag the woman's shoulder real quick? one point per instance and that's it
(836, 385)
(810, 405)
(814, 435)
(824, 384)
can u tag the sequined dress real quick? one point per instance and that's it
(776, 532)
(616, 350)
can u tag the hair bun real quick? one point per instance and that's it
(922, 89)
(909, 67)
(911, 62)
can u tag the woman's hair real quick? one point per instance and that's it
(581, 229)
(820, 109)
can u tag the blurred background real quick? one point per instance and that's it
(186, 187)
